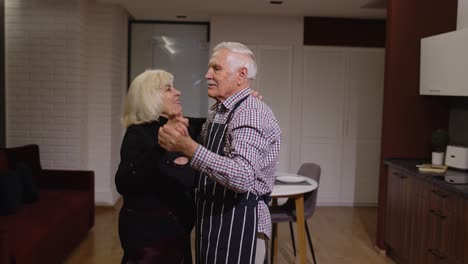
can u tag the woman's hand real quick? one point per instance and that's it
(256, 94)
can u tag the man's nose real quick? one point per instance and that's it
(208, 74)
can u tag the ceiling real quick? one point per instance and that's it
(202, 10)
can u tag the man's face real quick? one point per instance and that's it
(222, 82)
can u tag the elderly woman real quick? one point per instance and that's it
(157, 186)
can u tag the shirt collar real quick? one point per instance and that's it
(233, 99)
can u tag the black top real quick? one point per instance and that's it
(147, 176)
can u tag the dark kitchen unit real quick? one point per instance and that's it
(426, 218)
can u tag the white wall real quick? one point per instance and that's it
(65, 80)
(106, 53)
(462, 14)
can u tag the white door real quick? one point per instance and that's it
(322, 116)
(181, 49)
(363, 125)
(274, 82)
(341, 121)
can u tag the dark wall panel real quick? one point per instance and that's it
(344, 32)
(409, 118)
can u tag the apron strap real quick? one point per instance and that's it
(234, 109)
(266, 198)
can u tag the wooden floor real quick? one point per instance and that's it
(341, 235)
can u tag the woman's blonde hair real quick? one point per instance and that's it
(144, 100)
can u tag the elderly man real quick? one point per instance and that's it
(236, 158)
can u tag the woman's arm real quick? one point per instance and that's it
(139, 157)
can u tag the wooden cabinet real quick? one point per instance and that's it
(399, 215)
(439, 217)
(424, 223)
(419, 232)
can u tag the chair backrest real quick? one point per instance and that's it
(310, 170)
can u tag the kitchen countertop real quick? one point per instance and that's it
(408, 166)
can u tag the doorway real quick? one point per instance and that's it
(179, 48)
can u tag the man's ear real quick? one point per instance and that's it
(242, 76)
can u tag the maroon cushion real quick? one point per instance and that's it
(28, 154)
(50, 227)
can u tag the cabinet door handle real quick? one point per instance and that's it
(400, 175)
(437, 213)
(441, 195)
(436, 253)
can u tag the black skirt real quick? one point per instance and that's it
(153, 236)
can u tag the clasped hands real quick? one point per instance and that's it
(174, 136)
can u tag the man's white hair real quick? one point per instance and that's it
(247, 58)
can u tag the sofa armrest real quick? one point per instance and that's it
(66, 179)
(72, 180)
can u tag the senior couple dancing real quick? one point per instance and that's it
(215, 174)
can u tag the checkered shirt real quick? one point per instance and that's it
(251, 151)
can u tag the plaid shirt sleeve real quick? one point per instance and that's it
(251, 151)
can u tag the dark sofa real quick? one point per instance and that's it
(47, 229)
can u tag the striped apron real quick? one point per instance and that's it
(226, 224)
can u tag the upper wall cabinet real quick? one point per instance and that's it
(444, 64)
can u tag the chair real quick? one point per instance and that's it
(287, 211)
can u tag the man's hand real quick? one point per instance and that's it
(179, 123)
(172, 139)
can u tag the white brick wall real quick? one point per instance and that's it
(106, 51)
(65, 80)
(43, 91)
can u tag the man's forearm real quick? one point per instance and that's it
(189, 147)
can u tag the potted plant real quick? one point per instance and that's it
(440, 139)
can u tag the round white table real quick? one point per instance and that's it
(296, 192)
(286, 189)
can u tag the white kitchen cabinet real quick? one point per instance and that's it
(341, 121)
(444, 64)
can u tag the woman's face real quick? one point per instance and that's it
(171, 101)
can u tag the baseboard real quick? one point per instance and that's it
(106, 198)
